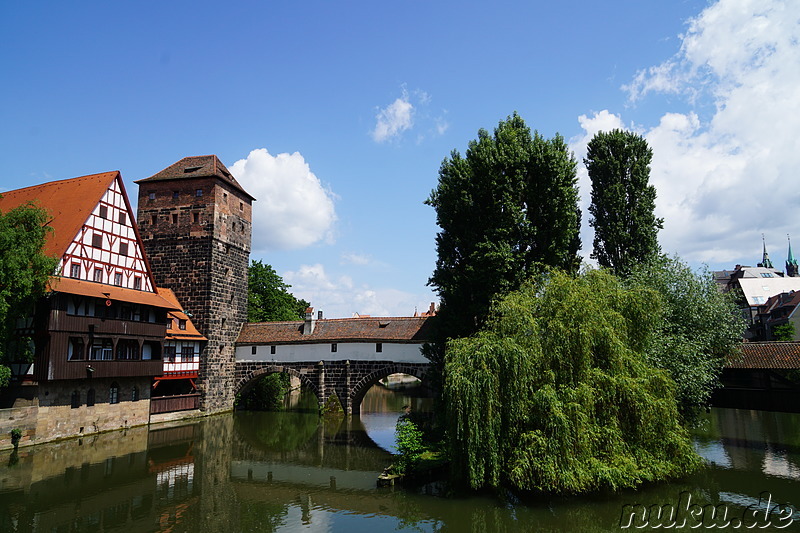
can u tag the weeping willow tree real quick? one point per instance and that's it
(554, 394)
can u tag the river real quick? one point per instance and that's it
(290, 471)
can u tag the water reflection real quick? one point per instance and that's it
(290, 471)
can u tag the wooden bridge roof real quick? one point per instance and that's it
(371, 329)
(766, 355)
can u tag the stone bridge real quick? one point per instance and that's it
(348, 380)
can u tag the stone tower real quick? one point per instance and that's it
(195, 222)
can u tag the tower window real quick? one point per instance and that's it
(97, 240)
(103, 211)
(225, 197)
(241, 206)
(196, 218)
(198, 192)
(176, 194)
(174, 218)
(151, 195)
(153, 220)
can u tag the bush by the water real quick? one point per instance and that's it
(266, 394)
(555, 394)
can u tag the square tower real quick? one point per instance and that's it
(195, 222)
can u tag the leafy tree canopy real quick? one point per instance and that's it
(268, 298)
(24, 271)
(623, 201)
(555, 394)
(699, 328)
(509, 204)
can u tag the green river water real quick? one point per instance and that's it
(290, 471)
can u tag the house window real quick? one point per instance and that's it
(113, 393)
(75, 270)
(151, 195)
(334, 347)
(181, 323)
(169, 353)
(272, 350)
(176, 194)
(196, 218)
(90, 398)
(118, 279)
(198, 192)
(123, 219)
(127, 350)
(379, 347)
(135, 394)
(253, 350)
(187, 351)
(174, 218)
(75, 349)
(97, 240)
(98, 275)
(137, 283)
(75, 399)
(123, 248)
(102, 350)
(103, 211)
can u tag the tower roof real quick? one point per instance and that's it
(201, 166)
(69, 202)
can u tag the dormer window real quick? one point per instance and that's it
(189, 170)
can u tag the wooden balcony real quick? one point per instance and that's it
(170, 404)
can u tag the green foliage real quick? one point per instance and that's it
(510, 204)
(699, 328)
(625, 228)
(24, 271)
(555, 394)
(266, 394)
(783, 332)
(268, 298)
(410, 444)
(16, 436)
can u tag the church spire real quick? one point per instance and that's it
(765, 262)
(791, 262)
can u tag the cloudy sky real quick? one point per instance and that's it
(337, 115)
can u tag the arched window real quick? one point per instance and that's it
(135, 394)
(75, 400)
(113, 393)
(90, 398)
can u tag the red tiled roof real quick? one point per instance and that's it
(69, 202)
(201, 166)
(173, 331)
(110, 292)
(389, 329)
(766, 355)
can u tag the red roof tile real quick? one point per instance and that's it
(201, 166)
(766, 355)
(173, 331)
(389, 329)
(69, 202)
(110, 292)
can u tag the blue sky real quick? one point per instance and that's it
(337, 115)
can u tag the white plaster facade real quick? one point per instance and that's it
(405, 352)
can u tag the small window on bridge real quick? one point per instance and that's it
(272, 350)
(334, 347)
(378, 346)
(253, 350)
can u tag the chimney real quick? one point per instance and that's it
(308, 327)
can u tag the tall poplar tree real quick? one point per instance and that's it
(509, 204)
(623, 201)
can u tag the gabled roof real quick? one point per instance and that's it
(69, 202)
(766, 355)
(372, 329)
(201, 166)
(173, 331)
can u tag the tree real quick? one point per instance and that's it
(509, 205)
(783, 332)
(699, 328)
(555, 395)
(268, 298)
(24, 272)
(625, 228)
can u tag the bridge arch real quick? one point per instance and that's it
(359, 390)
(248, 380)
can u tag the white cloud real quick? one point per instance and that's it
(393, 119)
(725, 179)
(292, 209)
(355, 259)
(338, 296)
